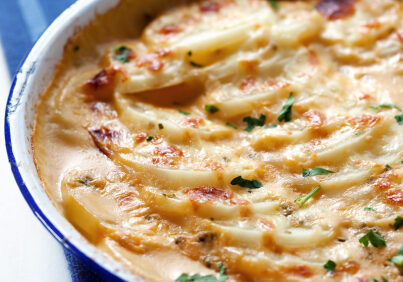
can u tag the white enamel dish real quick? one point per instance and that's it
(33, 77)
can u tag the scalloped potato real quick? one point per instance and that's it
(245, 139)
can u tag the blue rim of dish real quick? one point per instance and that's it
(52, 229)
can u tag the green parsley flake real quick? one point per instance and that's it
(360, 132)
(386, 106)
(211, 109)
(271, 126)
(384, 278)
(399, 119)
(183, 113)
(160, 126)
(330, 266)
(190, 53)
(398, 258)
(252, 122)
(368, 209)
(252, 184)
(374, 238)
(286, 111)
(123, 54)
(208, 278)
(398, 222)
(315, 171)
(274, 4)
(196, 65)
(373, 280)
(231, 125)
(76, 48)
(149, 138)
(304, 199)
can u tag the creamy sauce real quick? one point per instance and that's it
(179, 143)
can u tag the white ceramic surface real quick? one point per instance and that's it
(32, 79)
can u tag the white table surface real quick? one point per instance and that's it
(27, 251)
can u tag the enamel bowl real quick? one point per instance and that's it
(31, 80)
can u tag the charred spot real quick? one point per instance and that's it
(207, 237)
(151, 61)
(300, 270)
(170, 29)
(363, 121)
(148, 217)
(206, 194)
(286, 209)
(316, 119)
(179, 240)
(210, 7)
(394, 197)
(335, 9)
(101, 86)
(104, 139)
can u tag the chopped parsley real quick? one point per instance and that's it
(274, 4)
(398, 258)
(183, 113)
(304, 199)
(190, 53)
(208, 278)
(252, 122)
(386, 106)
(384, 278)
(196, 65)
(373, 280)
(368, 209)
(315, 171)
(330, 266)
(160, 126)
(252, 184)
(271, 126)
(211, 109)
(360, 132)
(123, 54)
(76, 48)
(286, 112)
(169, 195)
(231, 125)
(399, 119)
(149, 138)
(398, 222)
(374, 238)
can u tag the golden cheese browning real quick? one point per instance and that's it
(266, 138)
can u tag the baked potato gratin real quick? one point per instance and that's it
(233, 140)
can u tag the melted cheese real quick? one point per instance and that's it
(144, 171)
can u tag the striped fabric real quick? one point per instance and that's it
(21, 24)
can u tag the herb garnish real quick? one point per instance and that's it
(208, 278)
(274, 4)
(386, 106)
(398, 222)
(196, 65)
(211, 109)
(123, 54)
(384, 278)
(271, 126)
(76, 48)
(286, 111)
(315, 171)
(252, 122)
(160, 126)
(359, 132)
(190, 53)
(252, 184)
(399, 119)
(149, 138)
(330, 266)
(368, 209)
(373, 237)
(231, 125)
(304, 199)
(398, 258)
(184, 113)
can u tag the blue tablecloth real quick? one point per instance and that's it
(21, 24)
